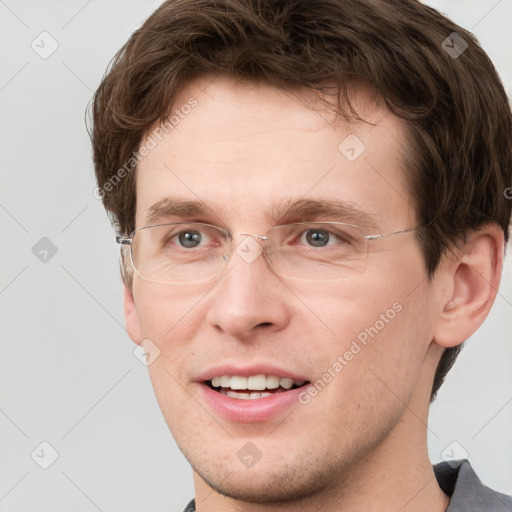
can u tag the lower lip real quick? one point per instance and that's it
(251, 410)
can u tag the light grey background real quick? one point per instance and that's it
(68, 373)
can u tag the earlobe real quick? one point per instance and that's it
(131, 317)
(475, 279)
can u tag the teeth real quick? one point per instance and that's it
(253, 383)
(257, 382)
(272, 382)
(286, 383)
(244, 396)
(225, 380)
(238, 382)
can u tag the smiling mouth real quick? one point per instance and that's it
(253, 387)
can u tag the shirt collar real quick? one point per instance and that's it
(458, 480)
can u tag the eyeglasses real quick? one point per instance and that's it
(193, 251)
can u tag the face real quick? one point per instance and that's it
(354, 346)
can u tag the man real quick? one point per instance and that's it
(310, 200)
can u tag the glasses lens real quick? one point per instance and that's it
(318, 251)
(178, 252)
(187, 252)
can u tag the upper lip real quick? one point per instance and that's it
(248, 370)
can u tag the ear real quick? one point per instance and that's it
(472, 284)
(131, 318)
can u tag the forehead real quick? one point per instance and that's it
(245, 151)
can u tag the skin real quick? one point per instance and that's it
(361, 443)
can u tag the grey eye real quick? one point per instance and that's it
(317, 237)
(189, 238)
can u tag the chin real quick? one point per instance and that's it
(282, 478)
(263, 486)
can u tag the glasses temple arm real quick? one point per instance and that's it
(376, 237)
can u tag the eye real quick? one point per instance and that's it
(189, 238)
(321, 237)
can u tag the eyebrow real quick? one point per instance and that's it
(286, 210)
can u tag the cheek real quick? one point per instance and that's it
(347, 309)
(166, 313)
(370, 330)
(371, 369)
(168, 318)
(182, 414)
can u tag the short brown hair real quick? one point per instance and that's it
(460, 160)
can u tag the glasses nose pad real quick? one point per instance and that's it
(269, 247)
(268, 251)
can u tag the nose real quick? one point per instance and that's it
(249, 298)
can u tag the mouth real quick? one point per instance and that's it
(249, 394)
(253, 387)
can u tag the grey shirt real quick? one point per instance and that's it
(467, 494)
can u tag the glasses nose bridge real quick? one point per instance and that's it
(264, 238)
(260, 237)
